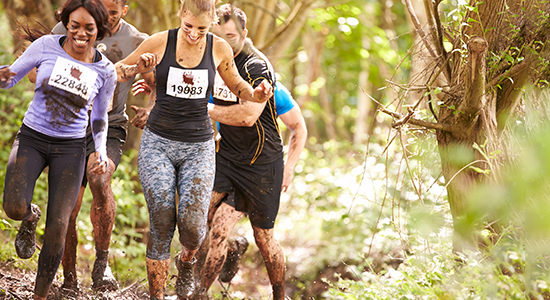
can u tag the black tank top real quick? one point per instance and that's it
(180, 112)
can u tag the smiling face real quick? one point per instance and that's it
(229, 32)
(116, 10)
(81, 35)
(195, 28)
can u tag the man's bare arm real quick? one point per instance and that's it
(237, 115)
(294, 121)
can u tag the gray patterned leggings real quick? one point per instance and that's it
(165, 165)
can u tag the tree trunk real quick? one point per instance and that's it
(482, 107)
(478, 101)
(314, 43)
(283, 36)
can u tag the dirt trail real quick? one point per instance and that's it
(18, 284)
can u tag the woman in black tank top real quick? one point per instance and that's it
(177, 147)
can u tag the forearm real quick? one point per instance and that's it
(11, 75)
(151, 80)
(126, 72)
(152, 100)
(99, 123)
(297, 142)
(99, 116)
(245, 92)
(242, 89)
(244, 114)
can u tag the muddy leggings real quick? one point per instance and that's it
(165, 166)
(30, 154)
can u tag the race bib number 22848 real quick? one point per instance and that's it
(190, 84)
(73, 77)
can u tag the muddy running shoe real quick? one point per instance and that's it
(70, 289)
(25, 241)
(185, 283)
(102, 277)
(70, 285)
(237, 247)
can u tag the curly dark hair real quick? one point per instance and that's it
(95, 8)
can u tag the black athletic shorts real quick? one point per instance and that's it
(116, 137)
(256, 189)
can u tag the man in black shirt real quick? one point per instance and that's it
(250, 171)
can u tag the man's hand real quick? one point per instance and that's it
(140, 87)
(288, 174)
(263, 91)
(140, 119)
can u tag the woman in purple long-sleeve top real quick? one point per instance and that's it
(71, 74)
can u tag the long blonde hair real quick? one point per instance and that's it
(198, 7)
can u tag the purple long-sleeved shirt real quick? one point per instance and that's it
(64, 91)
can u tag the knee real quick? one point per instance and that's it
(263, 237)
(191, 238)
(16, 209)
(160, 237)
(99, 182)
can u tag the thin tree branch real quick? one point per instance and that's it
(444, 53)
(418, 27)
(431, 24)
(421, 123)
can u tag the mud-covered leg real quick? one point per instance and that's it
(274, 259)
(157, 274)
(195, 181)
(102, 216)
(205, 246)
(225, 218)
(70, 281)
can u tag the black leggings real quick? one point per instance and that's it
(31, 153)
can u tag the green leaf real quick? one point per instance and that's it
(481, 171)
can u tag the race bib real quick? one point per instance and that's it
(221, 91)
(73, 77)
(190, 84)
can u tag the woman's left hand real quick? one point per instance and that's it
(263, 92)
(146, 62)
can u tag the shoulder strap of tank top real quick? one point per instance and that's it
(210, 46)
(171, 43)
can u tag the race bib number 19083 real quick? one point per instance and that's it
(185, 83)
(73, 77)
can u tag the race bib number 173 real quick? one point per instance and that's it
(185, 83)
(73, 77)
